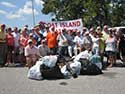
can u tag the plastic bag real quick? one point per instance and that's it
(34, 72)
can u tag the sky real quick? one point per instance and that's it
(19, 12)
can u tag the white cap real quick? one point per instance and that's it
(30, 40)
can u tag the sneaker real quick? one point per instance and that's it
(11, 65)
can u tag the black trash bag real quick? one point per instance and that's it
(88, 68)
(51, 73)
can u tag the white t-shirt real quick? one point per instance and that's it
(110, 45)
(16, 39)
(78, 40)
(31, 51)
(61, 38)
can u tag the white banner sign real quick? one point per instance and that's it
(68, 25)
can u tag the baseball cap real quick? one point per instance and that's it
(29, 41)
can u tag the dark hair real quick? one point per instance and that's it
(110, 31)
(9, 29)
(30, 43)
(64, 30)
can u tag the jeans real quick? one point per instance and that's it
(63, 50)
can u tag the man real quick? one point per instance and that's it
(16, 36)
(105, 32)
(62, 42)
(43, 48)
(31, 53)
(71, 44)
(3, 46)
(51, 40)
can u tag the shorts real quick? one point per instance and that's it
(110, 53)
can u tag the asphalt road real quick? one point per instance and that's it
(15, 81)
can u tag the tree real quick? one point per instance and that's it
(92, 12)
(118, 13)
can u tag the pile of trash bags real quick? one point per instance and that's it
(57, 67)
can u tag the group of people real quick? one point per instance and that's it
(26, 46)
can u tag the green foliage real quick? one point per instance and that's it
(92, 12)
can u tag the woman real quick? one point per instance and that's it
(110, 48)
(10, 46)
(23, 38)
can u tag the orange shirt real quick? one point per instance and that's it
(51, 39)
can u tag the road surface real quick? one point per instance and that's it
(15, 81)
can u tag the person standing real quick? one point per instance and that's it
(51, 40)
(10, 47)
(16, 36)
(62, 42)
(110, 48)
(71, 44)
(3, 46)
(122, 45)
(105, 32)
(23, 43)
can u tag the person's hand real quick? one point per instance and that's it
(65, 41)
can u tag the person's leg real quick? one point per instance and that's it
(104, 63)
(8, 55)
(11, 54)
(75, 51)
(65, 51)
(123, 56)
(3, 53)
(29, 62)
(111, 59)
(107, 58)
(61, 51)
(70, 51)
(123, 59)
(16, 55)
(34, 60)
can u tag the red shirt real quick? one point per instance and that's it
(23, 41)
(10, 39)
